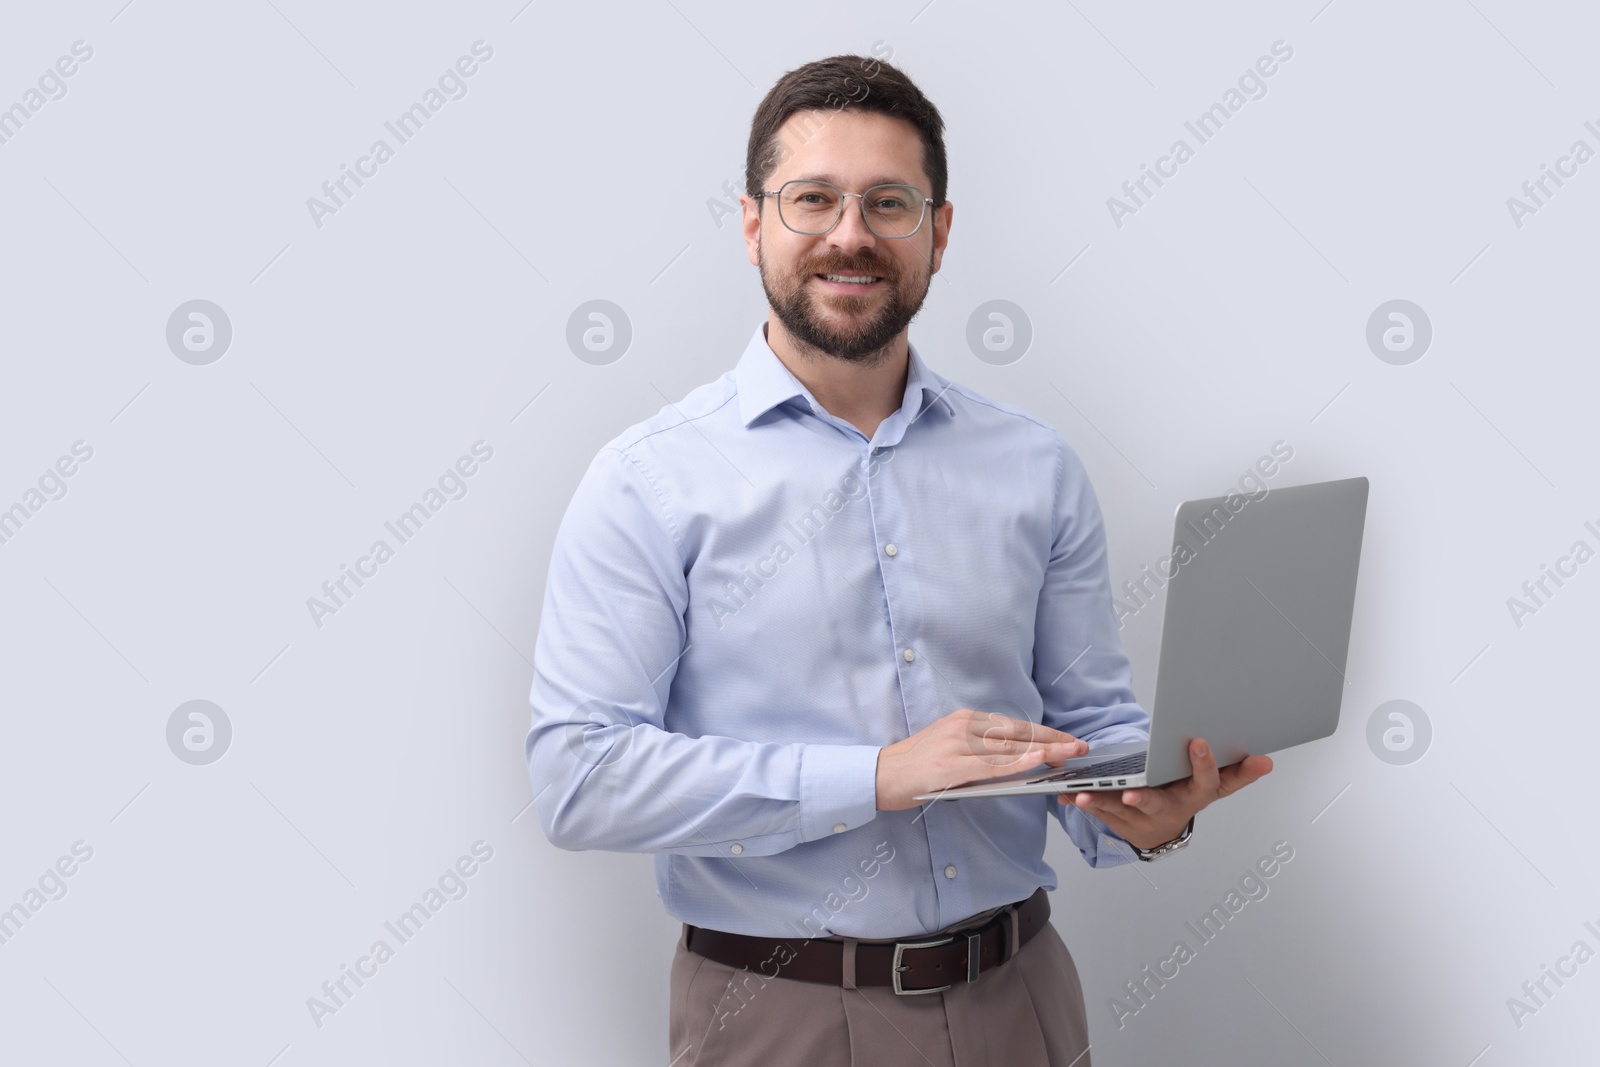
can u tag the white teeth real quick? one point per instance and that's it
(858, 279)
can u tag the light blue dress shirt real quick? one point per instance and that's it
(747, 598)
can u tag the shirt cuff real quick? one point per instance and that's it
(1099, 845)
(838, 788)
(1113, 849)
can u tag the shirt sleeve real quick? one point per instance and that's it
(1079, 664)
(606, 771)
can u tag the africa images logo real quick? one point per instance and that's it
(452, 85)
(1137, 592)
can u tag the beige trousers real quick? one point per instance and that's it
(1029, 1012)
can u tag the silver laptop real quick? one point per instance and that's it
(1253, 645)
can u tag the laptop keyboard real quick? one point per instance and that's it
(1133, 764)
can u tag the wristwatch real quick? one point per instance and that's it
(1151, 854)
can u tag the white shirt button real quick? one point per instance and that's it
(736, 848)
(889, 549)
(950, 871)
(909, 655)
(839, 827)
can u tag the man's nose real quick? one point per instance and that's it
(851, 230)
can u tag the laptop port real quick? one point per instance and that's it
(1122, 781)
(1105, 783)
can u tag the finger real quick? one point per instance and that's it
(1204, 762)
(1151, 802)
(1003, 741)
(1008, 737)
(1053, 753)
(993, 734)
(1107, 807)
(1038, 731)
(1095, 802)
(997, 725)
(1122, 819)
(993, 741)
(1241, 774)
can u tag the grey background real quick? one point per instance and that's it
(430, 312)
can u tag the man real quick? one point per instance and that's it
(823, 584)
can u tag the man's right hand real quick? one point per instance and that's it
(966, 746)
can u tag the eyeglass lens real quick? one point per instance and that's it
(813, 207)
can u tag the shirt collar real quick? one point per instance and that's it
(764, 382)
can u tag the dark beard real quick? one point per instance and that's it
(867, 342)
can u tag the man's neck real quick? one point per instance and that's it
(862, 394)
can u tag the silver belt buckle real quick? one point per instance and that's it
(899, 950)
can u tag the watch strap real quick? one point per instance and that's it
(1166, 847)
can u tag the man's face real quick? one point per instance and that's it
(854, 150)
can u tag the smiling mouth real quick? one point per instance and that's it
(849, 282)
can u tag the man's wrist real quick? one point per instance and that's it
(1162, 848)
(1148, 843)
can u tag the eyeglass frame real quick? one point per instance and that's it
(926, 200)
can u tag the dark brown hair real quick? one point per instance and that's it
(839, 83)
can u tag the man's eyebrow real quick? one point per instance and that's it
(881, 179)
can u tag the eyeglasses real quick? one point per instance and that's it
(813, 207)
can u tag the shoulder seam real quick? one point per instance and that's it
(685, 420)
(1001, 407)
(1061, 478)
(661, 500)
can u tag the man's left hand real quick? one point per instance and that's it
(1150, 816)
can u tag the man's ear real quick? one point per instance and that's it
(942, 217)
(751, 227)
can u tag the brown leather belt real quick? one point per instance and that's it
(927, 964)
